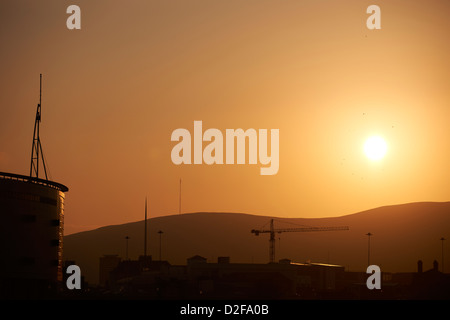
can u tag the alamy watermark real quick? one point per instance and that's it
(74, 280)
(73, 22)
(235, 140)
(374, 281)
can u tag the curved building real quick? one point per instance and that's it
(31, 234)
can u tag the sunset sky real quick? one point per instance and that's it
(114, 91)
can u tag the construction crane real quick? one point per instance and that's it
(272, 232)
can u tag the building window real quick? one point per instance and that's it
(46, 200)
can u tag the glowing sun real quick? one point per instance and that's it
(375, 148)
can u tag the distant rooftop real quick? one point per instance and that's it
(43, 182)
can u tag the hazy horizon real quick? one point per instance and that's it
(253, 214)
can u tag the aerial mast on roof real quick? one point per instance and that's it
(37, 146)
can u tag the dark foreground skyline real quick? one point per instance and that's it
(285, 280)
(312, 265)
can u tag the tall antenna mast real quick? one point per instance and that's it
(37, 146)
(145, 229)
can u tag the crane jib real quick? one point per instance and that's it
(272, 232)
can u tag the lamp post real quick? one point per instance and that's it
(179, 202)
(368, 251)
(160, 240)
(442, 239)
(126, 251)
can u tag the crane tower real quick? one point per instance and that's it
(272, 232)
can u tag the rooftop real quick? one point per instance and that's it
(43, 182)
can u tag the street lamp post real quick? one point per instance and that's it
(442, 239)
(126, 252)
(160, 240)
(368, 251)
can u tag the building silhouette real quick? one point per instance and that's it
(199, 279)
(32, 228)
(283, 280)
(31, 234)
(107, 264)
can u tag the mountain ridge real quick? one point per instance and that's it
(402, 234)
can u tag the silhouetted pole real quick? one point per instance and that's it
(160, 246)
(179, 203)
(442, 239)
(145, 230)
(368, 251)
(272, 243)
(126, 252)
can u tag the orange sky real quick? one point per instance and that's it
(114, 91)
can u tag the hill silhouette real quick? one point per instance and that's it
(402, 234)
